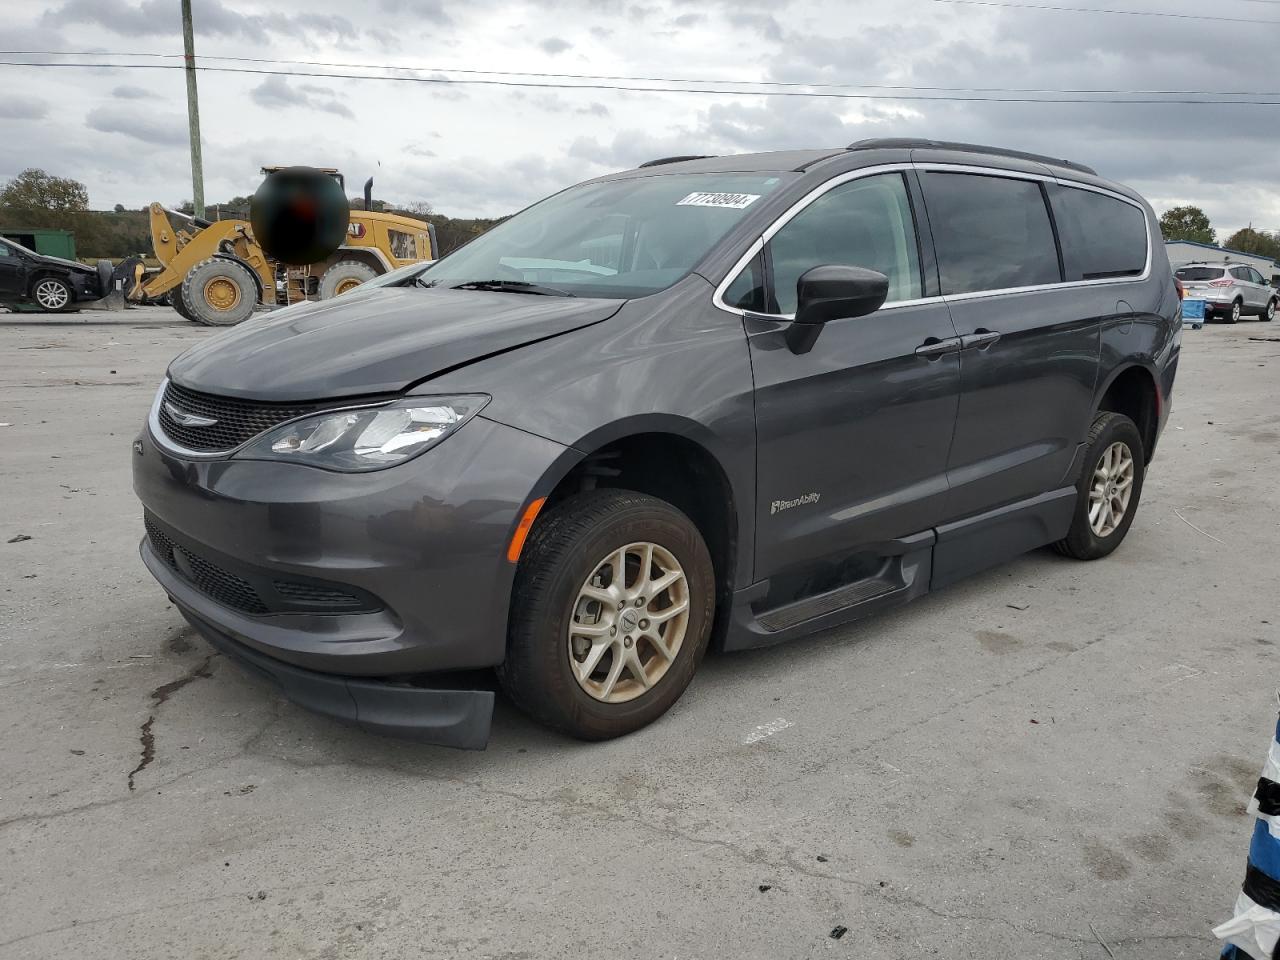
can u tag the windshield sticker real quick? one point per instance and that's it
(731, 201)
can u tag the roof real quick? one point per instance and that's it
(1238, 253)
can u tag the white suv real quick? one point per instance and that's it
(1229, 290)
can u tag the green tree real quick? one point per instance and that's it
(1186, 223)
(37, 199)
(1260, 242)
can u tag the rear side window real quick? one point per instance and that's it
(1102, 236)
(990, 233)
(1198, 274)
(862, 223)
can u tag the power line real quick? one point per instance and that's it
(1183, 98)
(1122, 13)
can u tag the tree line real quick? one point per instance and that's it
(38, 200)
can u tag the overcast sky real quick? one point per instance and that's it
(473, 150)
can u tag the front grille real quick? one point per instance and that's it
(209, 578)
(236, 420)
(253, 590)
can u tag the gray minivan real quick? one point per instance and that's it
(721, 400)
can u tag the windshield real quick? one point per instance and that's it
(1199, 273)
(398, 275)
(616, 239)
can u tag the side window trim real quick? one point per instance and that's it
(762, 242)
(921, 216)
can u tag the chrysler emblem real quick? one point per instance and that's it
(184, 419)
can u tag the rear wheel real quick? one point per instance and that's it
(175, 301)
(344, 276)
(51, 294)
(1108, 489)
(610, 615)
(219, 293)
(1233, 316)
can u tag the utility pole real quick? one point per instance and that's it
(193, 111)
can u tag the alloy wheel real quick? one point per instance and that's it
(1111, 489)
(628, 622)
(51, 294)
(1235, 311)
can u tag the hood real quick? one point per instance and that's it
(379, 342)
(74, 265)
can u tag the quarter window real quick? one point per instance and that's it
(990, 233)
(1101, 236)
(747, 290)
(862, 223)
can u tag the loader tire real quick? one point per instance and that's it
(343, 276)
(218, 293)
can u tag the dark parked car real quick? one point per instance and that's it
(50, 283)
(717, 400)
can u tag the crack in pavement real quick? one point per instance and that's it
(159, 695)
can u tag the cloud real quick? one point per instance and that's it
(275, 93)
(555, 45)
(147, 126)
(127, 92)
(28, 108)
(211, 18)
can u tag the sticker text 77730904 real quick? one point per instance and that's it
(732, 201)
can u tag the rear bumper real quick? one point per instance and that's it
(450, 718)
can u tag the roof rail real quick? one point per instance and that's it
(661, 160)
(909, 143)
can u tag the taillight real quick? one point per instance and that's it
(1224, 282)
(1178, 284)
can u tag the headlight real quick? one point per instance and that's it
(368, 438)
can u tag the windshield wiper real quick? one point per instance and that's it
(513, 286)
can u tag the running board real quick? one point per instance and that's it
(904, 577)
(792, 614)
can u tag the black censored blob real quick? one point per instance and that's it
(299, 215)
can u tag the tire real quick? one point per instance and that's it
(218, 293)
(1083, 541)
(175, 301)
(1233, 315)
(343, 276)
(566, 548)
(52, 294)
(1269, 313)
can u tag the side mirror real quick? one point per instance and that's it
(833, 292)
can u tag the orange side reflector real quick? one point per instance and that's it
(522, 531)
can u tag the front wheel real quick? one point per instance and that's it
(52, 294)
(610, 614)
(219, 293)
(1270, 313)
(1108, 489)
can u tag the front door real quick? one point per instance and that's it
(852, 436)
(12, 274)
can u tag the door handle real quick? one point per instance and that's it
(980, 338)
(933, 348)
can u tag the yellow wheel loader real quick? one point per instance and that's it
(215, 273)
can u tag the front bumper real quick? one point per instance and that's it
(427, 539)
(449, 718)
